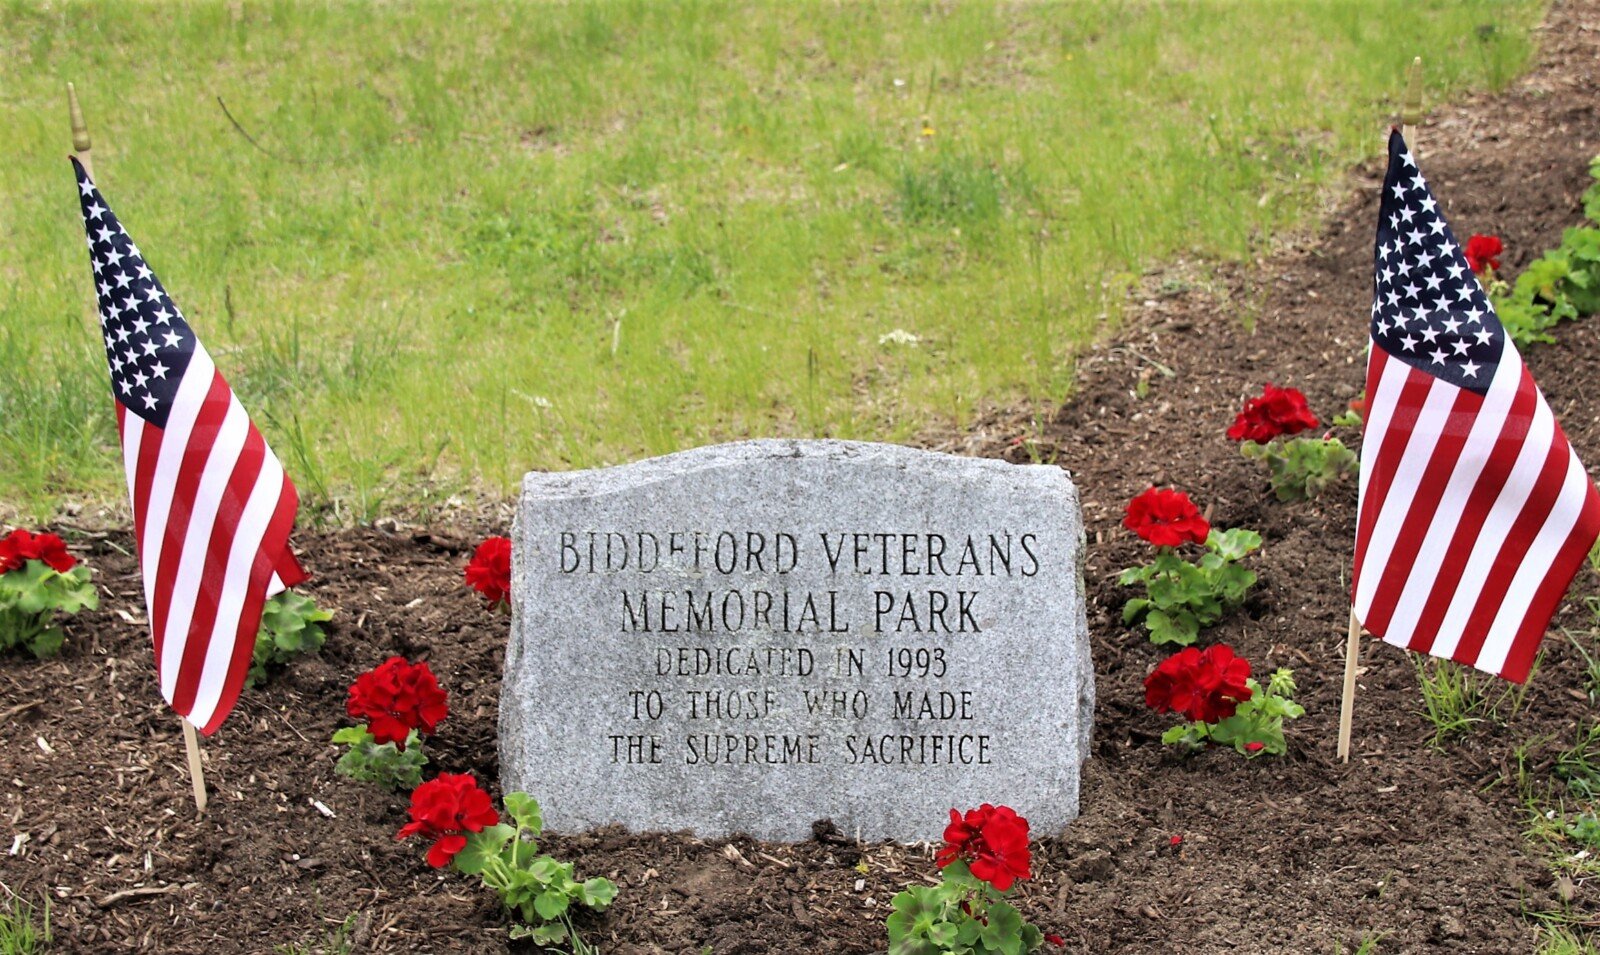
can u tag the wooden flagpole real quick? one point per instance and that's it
(1410, 115)
(197, 775)
(81, 148)
(1352, 655)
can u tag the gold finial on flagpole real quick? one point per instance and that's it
(1411, 106)
(80, 131)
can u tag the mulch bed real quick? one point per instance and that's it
(1295, 854)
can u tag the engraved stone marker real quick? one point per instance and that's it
(750, 637)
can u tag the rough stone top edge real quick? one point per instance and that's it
(551, 485)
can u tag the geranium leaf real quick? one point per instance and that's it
(912, 945)
(352, 735)
(967, 931)
(942, 934)
(549, 905)
(911, 907)
(481, 847)
(1132, 610)
(291, 625)
(957, 877)
(597, 893)
(543, 869)
(1190, 736)
(48, 643)
(524, 810)
(1234, 543)
(1003, 933)
(1169, 629)
(520, 893)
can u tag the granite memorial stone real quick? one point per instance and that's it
(746, 638)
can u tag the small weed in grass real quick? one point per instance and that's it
(1367, 946)
(1565, 940)
(1591, 667)
(953, 190)
(339, 941)
(1455, 697)
(1451, 696)
(1580, 765)
(18, 933)
(1585, 830)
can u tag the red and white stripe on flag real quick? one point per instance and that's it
(1475, 512)
(1475, 515)
(212, 506)
(213, 510)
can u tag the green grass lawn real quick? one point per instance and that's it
(474, 239)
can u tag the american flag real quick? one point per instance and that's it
(1475, 513)
(212, 506)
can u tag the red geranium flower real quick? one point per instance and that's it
(1205, 686)
(1166, 518)
(444, 810)
(1484, 251)
(994, 842)
(20, 546)
(489, 573)
(1276, 411)
(396, 697)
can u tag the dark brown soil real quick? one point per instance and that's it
(1300, 854)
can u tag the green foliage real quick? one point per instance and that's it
(1455, 698)
(1591, 195)
(1584, 830)
(538, 890)
(1562, 284)
(961, 915)
(1451, 696)
(1558, 939)
(1183, 598)
(1256, 720)
(291, 625)
(386, 764)
(30, 598)
(340, 940)
(640, 245)
(1579, 766)
(953, 190)
(1527, 314)
(1591, 666)
(1579, 253)
(1302, 468)
(18, 933)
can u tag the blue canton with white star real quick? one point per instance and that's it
(1428, 309)
(148, 344)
